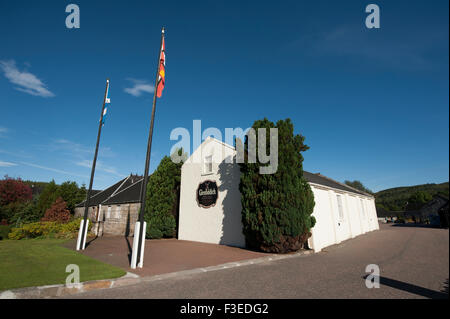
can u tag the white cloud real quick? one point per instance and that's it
(399, 49)
(27, 82)
(3, 131)
(7, 164)
(53, 170)
(69, 146)
(100, 166)
(139, 87)
(76, 149)
(19, 153)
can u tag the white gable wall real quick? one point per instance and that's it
(222, 223)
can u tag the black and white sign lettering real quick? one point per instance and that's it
(207, 194)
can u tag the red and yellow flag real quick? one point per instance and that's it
(162, 70)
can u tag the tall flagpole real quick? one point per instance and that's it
(83, 228)
(147, 163)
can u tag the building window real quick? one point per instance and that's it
(208, 165)
(340, 207)
(117, 215)
(108, 212)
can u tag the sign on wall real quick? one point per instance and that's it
(207, 194)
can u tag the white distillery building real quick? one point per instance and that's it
(210, 202)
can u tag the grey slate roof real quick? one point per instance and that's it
(326, 181)
(128, 190)
(130, 194)
(112, 191)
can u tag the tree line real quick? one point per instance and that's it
(409, 198)
(24, 202)
(400, 199)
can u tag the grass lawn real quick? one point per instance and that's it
(37, 262)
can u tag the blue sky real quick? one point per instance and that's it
(372, 104)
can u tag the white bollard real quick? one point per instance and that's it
(79, 234)
(141, 261)
(136, 245)
(85, 234)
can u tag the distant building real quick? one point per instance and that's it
(114, 211)
(385, 216)
(435, 212)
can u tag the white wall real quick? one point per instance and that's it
(220, 224)
(374, 225)
(355, 215)
(329, 228)
(323, 233)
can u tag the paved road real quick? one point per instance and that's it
(413, 261)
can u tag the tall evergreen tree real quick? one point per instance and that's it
(71, 194)
(68, 191)
(277, 208)
(47, 197)
(163, 193)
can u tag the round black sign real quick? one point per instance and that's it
(207, 194)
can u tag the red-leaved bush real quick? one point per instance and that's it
(13, 191)
(58, 212)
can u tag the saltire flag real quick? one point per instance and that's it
(107, 101)
(162, 70)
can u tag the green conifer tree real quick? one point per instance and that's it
(277, 208)
(163, 192)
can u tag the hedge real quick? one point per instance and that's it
(46, 230)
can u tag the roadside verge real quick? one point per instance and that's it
(62, 291)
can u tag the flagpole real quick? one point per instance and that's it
(83, 229)
(147, 163)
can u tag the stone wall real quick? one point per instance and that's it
(113, 219)
(92, 212)
(119, 219)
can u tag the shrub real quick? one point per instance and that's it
(24, 213)
(68, 191)
(58, 212)
(277, 208)
(14, 190)
(161, 225)
(46, 229)
(10, 210)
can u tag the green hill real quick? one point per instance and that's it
(394, 199)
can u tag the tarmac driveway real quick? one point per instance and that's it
(163, 255)
(413, 262)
